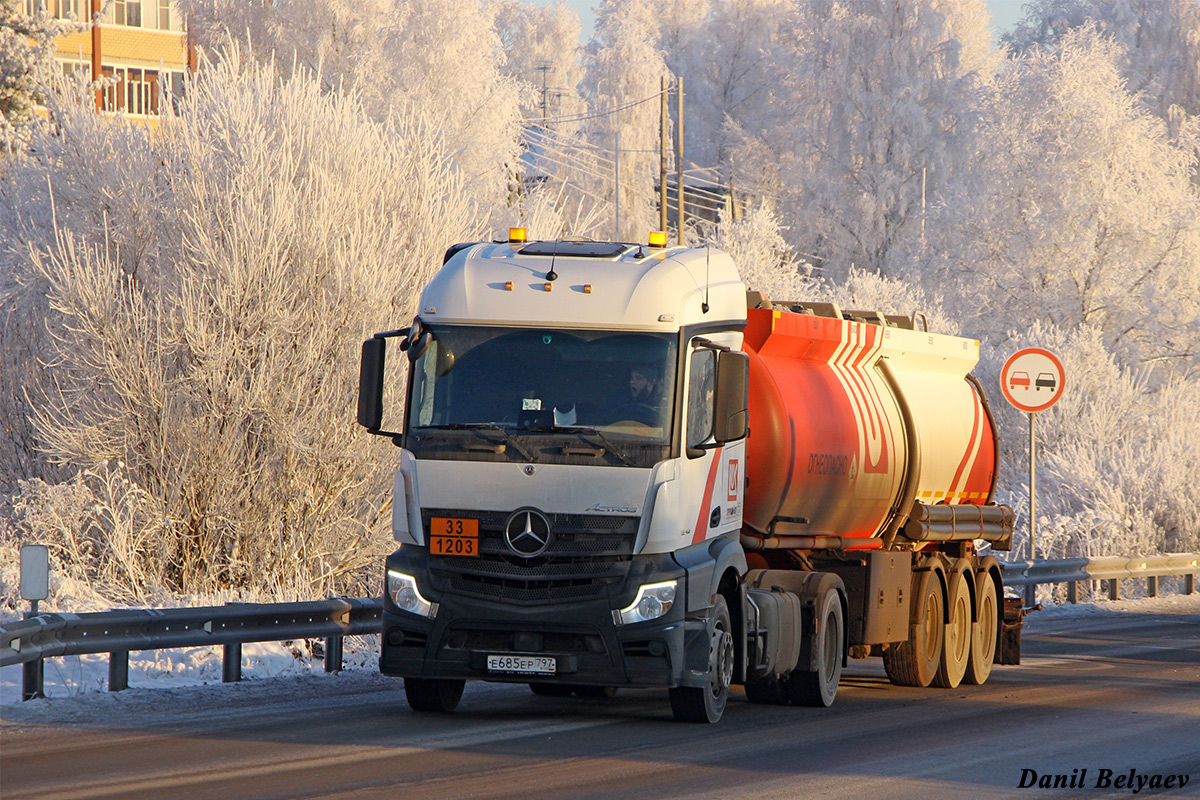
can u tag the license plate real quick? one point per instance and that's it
(453, 536)
(525, 665)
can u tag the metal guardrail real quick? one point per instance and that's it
(32, 640)
(1111, 569)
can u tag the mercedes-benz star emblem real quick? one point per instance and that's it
(527, 532)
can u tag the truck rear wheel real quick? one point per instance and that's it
(957, 645)
(433, 695)
(707, 703)
(915, 661)
(819, 687)
(983, 632)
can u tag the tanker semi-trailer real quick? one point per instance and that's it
(618, 468)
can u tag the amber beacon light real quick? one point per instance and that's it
(658, 238)
(516, 234)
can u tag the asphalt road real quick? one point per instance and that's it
(1115, 692)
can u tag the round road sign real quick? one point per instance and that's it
(1032, 379)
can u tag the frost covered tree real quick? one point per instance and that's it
(442, 56)
(868, 115)
(723, 50)
(624, 71)
(541, 49)
(1161, 42)
(1078, 209)
(203, 293)
(26, 63)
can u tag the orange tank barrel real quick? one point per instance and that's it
(851, 422)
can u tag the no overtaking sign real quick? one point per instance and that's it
(1032, 379)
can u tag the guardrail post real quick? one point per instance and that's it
(231, 663)
(33, 680)
(333, 654)
(1151, 586)
(1073, 592)
(118, 670)
(1114, 592)
(1189, 583)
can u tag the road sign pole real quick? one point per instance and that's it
(1031, 589)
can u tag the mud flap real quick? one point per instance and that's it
(1009, 651)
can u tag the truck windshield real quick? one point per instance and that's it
(543, 395)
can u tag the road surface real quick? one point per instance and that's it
(1099, 691)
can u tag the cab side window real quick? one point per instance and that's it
(701, 375)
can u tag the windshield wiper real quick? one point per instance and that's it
(481, 426)
(607, 442)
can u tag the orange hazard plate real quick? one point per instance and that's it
(451, 536)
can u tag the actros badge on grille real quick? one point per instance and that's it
(527, 532)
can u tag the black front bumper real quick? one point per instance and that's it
(588, 647)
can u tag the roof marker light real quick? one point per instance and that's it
(518, 234)
(658, 238)
(508, 286)
(587, 288)
(547, 286)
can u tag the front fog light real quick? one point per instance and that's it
(404, 593)
(653, 601)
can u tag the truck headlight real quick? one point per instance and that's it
(404, 593)
(653, 601)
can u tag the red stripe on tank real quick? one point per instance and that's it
(972, 447)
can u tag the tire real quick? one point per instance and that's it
(956, 646)
(818, 688)
(984, 631)
(551, 689)
(915, 661)
(433, 695)
(707, 703)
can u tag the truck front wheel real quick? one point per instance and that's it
(438, 696)
(707, 703)
(819, 687)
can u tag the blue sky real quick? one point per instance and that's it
(1004, 13)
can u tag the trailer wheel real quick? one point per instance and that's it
(983, 632)
(433, 695)
(818, 687)
(915, 661)
(957, 645)
(707, 703)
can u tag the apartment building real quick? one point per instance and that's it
(141, 43)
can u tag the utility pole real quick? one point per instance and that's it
(95, 5)
(544, 69)
(617, 186)
(662, 155)
(679, 157)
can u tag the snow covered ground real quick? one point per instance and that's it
(79, 676)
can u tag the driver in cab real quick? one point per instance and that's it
(644, 401)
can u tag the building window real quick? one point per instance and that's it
(164, 15)
(133, 13)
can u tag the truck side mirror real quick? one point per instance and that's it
(731, 419)
(370, 384)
